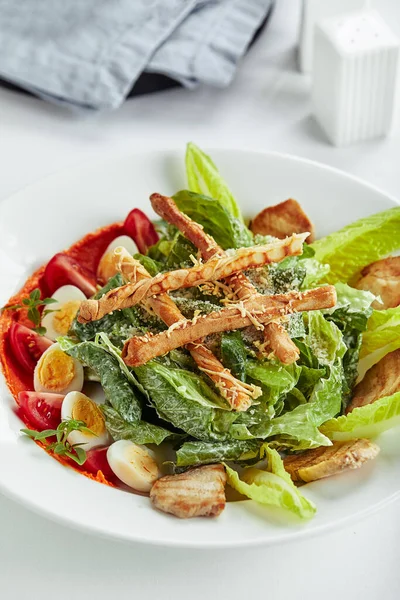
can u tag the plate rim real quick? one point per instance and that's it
(286, 535)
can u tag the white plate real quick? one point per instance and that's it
(51, 215)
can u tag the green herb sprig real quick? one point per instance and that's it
(32, 305)
(61, 446)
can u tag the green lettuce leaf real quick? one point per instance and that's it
(227, 230)
(354, 301)
(234, 353)
(272, 487)
(315, 272)
(350, 249)
(190, 386)
(366, 421)
(301, 424)
(152, 266)
(174, 405)
(180, 252)
(119, 325)
(324, 338)
(295, 326)
(351, 313)
(203, 453)
(117, 388)
(204, 178)
(139, 432)
(287, 275)
(309, 378)
(382, 336)
(275, 378)
(188, 306)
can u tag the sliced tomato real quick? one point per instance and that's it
(42, 410)
(140, 229)
(63, 270)
(96, 460)
(27, 346)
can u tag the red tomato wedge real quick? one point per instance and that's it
(96, 460)
(140, 229)
(63, 270)
(42, 410)
(27, 346)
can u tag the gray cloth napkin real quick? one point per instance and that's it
(89, 53)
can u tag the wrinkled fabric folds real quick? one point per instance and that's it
(89, 54)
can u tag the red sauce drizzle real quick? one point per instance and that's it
(87, 251)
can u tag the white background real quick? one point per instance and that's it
(267, 107)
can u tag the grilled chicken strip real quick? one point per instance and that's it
(198, 492)
(329, 460)
(139, 350)
(275, 337)
(382, 278)
(238, 394)
(282, 220)
(216, 268)
(383, 379)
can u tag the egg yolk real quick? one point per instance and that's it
(56, 370)
(86, 410)
(62, 319)
(108, 266)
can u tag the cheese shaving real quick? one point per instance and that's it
(239, 386)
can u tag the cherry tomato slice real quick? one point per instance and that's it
(96, 460)
(42, 410)
(62, 270)
(27, 346)
(140, 229)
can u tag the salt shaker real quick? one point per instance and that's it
(313, 11)
(355, 73)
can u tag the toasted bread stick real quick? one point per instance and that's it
(213, 270)
(237, 393)
(139, 350)
(275, 336)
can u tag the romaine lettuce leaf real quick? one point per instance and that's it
(324, 338)
(116, 386)
(188, 306)
(174, 405)
(351, 313)
(350, 249)
(301, 424)
(190, 386)
(295, 326)
(180, 252)
(272, 487)
(203, 453)
(204, 178)
(315, 272)
(102, 341)
(382, 336)
(234, 353)
(152, 266)
(353, 300)
(118, 325)
(275, 378)
(365, 421)
(309, 378)
(227, 230)
(139, 432)
(287, 275)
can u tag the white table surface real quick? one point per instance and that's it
(267, 107)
